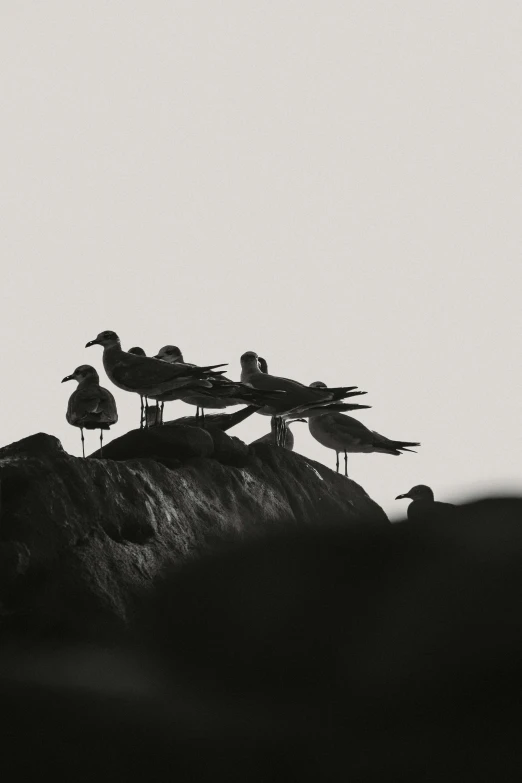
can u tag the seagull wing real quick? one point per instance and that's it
(88, 401)
(108, 406)
(348, 427)
(149, 373)
(298, 392)
(92, 405)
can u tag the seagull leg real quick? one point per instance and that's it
(161, 412)
(346, 464)
(142, 411)
(203, 417)
(83, 442)
(337, 462)
(283, 432)
(101, 443)
(146, 412)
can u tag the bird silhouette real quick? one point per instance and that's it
(90, 406)
(425, 507)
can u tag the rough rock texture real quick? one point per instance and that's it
(82, 541)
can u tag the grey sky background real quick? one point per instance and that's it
(335, 185)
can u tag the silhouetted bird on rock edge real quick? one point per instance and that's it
(425, 507)
(90, 407)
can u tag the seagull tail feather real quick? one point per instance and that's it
(402, 445)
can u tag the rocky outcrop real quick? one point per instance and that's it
(82, 540)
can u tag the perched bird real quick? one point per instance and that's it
(425, 507)
(173, 355)
(272, 436)
(310, 409)
(90, 407)
(145, 375)
(297, 394)
(137, 351)
(348, 435)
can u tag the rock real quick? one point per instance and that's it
(392, 653)
(228, 450)
(99, 531)
(159, 443)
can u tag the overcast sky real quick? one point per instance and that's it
(335, 185)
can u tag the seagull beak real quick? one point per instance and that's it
(91, 342)
(68, 378)
(399, 497)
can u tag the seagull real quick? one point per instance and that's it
(137, 351)
(145, 375)
(272, 436)
(348, 435)
(425, 507)
(90, 407)
(173, 355)
(308, 410)
(297, 394)
(224, 392)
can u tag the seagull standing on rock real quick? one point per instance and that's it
(90, 407)
(144, 375)
(173, 355)
(297, 394)
(348, 435)
(425, 507)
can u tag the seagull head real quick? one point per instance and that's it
(249, 360)
(261, 363)
(107, 339)
(419, 492)
(318, 385)
(82, 373)
(169, 353)
(137, 351)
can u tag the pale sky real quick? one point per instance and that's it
(334, 184)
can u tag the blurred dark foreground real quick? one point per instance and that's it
(384, 654)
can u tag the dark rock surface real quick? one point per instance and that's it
(82, 541)
(358, 653)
